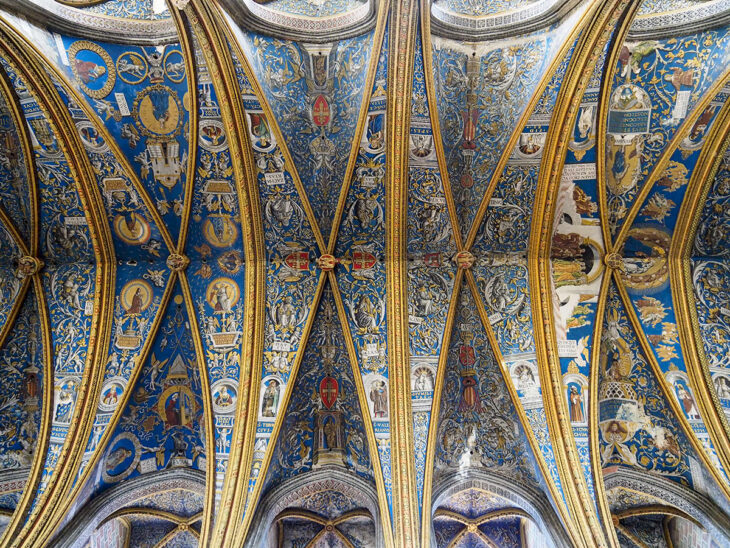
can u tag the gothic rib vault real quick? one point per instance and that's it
(364, 273)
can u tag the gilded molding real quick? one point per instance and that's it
(8, 224)
(7, 327)
(657, 509)
(680, 276)
(603, 19)
(41, 447)
(401, 44)
(593, 415)
(21, 126)
(204, 21)
(44, 519)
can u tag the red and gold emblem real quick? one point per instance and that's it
(432, 259)
(328, 390)
(321, 111)
(298, 260)
(466, 355)
(362, 260)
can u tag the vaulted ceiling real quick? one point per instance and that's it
(364, 273)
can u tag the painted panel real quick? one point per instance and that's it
(653, 305)
(713, 229)
(481, 92)
(162, 425)
(478, 8)
(504, 285)
(318, 8)
(141, 95)
(316, 92)
(662, 205)
(21, 366)
(637, 427)
(508, 219)
(64, 234)
(323, 424)
(131, 9)
(10, 283)
(478, 424)
(14, 192)
(177, 501)
(655, 84)
(139, 290)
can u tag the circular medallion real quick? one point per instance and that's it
(92, 68)
(136, 296)
(222, 295)
(132, 228)
(122, 458)
(220, 231)
(93, 141)
(111, 394)
(212, 135)
(230, 262)
(158, 112)
(174, 66)
(224, 394)
(132, 68)
(176, 406)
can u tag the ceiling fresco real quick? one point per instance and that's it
(364, 273)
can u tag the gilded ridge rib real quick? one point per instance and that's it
(41, 523)
(235, 489)
(400, 81)
(603, 19)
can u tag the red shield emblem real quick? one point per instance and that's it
(321, 111)
(432, 259)
(361, 260)
(299, 260)
(328, 390)
(466, 355)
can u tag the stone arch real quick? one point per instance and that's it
(696, 506)
(289, 494)
(99, 509)
(523, 498)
